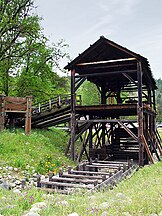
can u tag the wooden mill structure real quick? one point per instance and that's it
(122, 126)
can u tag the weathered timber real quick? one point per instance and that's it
(73, 180)
(61, 184)
(158, 142)
(100, 166)
(147, 149)
(103, 62)
(128, 130)
(104, 73)
(81, 176)
(140, 114)
(12, 108)
(91, 172)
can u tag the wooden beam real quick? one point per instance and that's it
(128, 130)
(80, 83)
(105, 62)
(147, 149)
(105, 73)
(106, 121)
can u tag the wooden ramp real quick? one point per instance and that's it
(89, 176)
(52, 112)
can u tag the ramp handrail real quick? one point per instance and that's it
(56, 102)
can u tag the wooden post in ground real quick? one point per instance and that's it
(140, 113)
(73, 99)
(28, 114)
(2, 112)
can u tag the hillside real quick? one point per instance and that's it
(42, 151)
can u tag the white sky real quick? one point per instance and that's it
(135, 24)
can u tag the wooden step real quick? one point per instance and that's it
(73, 180)
(91, 173)
(61, 184)
(81, 176)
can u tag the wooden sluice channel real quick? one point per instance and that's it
(89, 176)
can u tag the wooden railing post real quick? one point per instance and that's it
(28, 114)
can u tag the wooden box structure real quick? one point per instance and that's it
(123, 125)
(13, 108)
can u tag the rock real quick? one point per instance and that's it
(27, 166)
(42, 177)
(17, 191)
(73, 214)
(17, 182)
(10, 168)
(104, 205)
(15, 169)
(10, 177)
(35, 175)
(12, 185)
(33, 171)
(104, 213)
(5, 185)
(41, 205)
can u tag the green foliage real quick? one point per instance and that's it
(159, 99)
(90, 94)
(27, 62)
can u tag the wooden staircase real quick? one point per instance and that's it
(88, 176)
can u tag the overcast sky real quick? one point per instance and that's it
(135, 24)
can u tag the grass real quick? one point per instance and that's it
(140, 195)
(42, 151)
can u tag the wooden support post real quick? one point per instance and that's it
(140, 113)
(90, 136)
(149, 97)
(103, 101)
(2, 112)
(154, 102)
(28, 114)
(73, 123)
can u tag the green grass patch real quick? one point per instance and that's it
(42, 151)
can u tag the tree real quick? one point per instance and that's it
(89, 93)
(159, 100)
(26, 61)
(17, 25)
